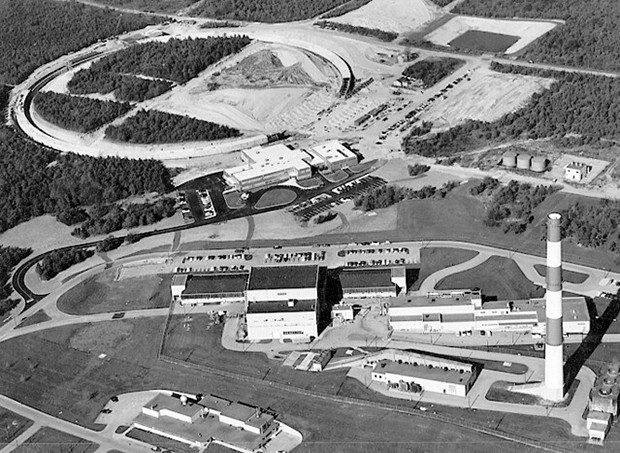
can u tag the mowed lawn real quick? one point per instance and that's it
(567, 276)
(62, 372)
(102, 294)
(497, 277)
(49, 440)
(275, 197)
(11, 425)
(483, 41)
(434, 259)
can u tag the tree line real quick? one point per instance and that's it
(35, 180)
(80, 114)
(124, 87)
(431, 71)
(107, 218)
(576, 109)
(160, 6)
(152, 126)
(270, 11)
(60, 260)
(364, 31)
(385, 196)
(177, 60)
(33, 32)
(589, 38)
(9, 258)
(344, 9)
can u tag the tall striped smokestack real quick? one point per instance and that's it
(554, 363)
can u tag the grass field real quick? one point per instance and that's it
(434, 259)
(567, 276)
(102, 294)
(160, 441)
(499, 278)
(48, 440)
(275, 197)
(11, 425)
(39, 317)
(483, 41)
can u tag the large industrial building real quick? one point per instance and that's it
(372, 282)
(463, 310)
(204, 289)
(275, 164)
(282, 303)
(603, 402)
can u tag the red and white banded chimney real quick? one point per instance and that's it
(554, 361)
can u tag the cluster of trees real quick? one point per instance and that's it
(219, 24)
(432, 70)
(109, 243)
(178, 60)
(418, 169)
(421, 129)
(442, 3)
(35, 180)
(585, 107)
(33, 32)
(9, 258)
(160, 127)
(344, 9)
(270, 11)
(488, 184)
(4, 97)
(60, 260)
(512, 205)
(160, 6)
(104, 219)
(588, 38)
(593, 226)
(322, 218)
(385, 196)
(364, 31)
(76, 113)
(124, 87)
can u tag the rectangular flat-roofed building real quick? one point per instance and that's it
(281, 283)
(202, 289)
(332, 156)
(291, 319)
(372, 282)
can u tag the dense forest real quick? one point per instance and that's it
(511, 206)
(33, 32)
(593, 226)
(344, 9)
(157, 6)
(9, 258)
(124, 87)
(36, 181)
(374, 32)
(60, 260)
(178, 60)
(385, 196)
(442, 3)
(432, 70)
(152, 126)
(585, 106)
(75, 113)
(270, 11)
(106, 218)
(588, 38)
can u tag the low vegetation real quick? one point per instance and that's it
(588, 38)
(593, 226)
(147, 127)
(269, 11)
(385, 196)
(578, 109)
(104, 219)
(432, 70)
(124, 87)
(36, 180)
(483, 41)
(418, 169)
(76, 113)
(344, 9)
(158, 6)
(61, 260)
(33, 32)
(364, 31)
(9, 258)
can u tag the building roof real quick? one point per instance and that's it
(447, 298)
(573, 308)
(276, 277)
(247, 414)
(332, 151)
(366, 278)
(216, 283)
(576, 166)
(270, 159)
(179, 279)
(599, 416)
(162, 401)
(424, 372)
(281, 306)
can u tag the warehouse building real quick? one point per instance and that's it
(464, 311)
(205, 289)
(332, 156)
(366, 283)
(282, 303)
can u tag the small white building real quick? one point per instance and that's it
(332, 156)
(342, 312)
(576, 171)
(598, 424)
(167, 406)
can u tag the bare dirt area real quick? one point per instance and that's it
(41, 233)
(486, 97)
(393, 15)
(527, 30)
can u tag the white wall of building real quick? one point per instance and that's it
(427, 384)
(282, 294)
(296, 325)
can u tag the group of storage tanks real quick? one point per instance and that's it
(512, 159)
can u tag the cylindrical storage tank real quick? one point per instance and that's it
(509, 159)
(539, 164)
(523, 161)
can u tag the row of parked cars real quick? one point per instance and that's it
(294, 257)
